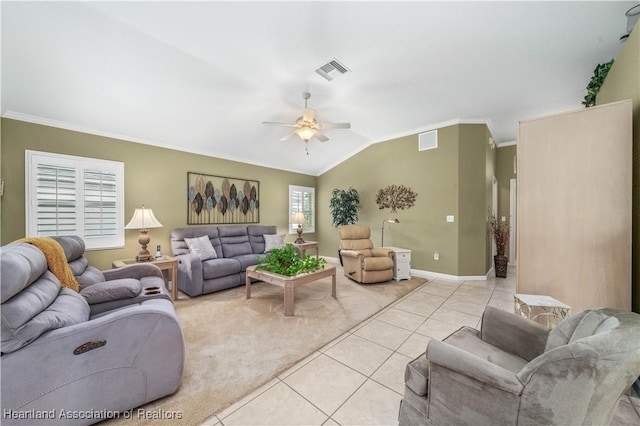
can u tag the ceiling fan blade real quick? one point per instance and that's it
(334, 126)
(308, 115)
(280, 124)
(287, 137)
(319, 136)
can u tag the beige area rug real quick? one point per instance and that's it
(234, 345)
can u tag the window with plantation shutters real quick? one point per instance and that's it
(302, 199)
(68, 195)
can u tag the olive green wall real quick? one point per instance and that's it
(475, 171)
(449, 180)
(623, 82)
(155, 177)
(504, 173)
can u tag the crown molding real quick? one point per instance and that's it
(439, 125)
(76, 128)
(508, 143)
(433, 126)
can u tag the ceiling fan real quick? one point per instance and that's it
(306, 126)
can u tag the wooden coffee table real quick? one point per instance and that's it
(290, 283)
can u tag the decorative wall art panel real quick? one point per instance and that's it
(218, 199)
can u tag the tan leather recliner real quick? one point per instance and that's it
(362, 262)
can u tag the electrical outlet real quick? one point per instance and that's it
(436, 256)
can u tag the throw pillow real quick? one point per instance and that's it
(202, 247)
(272, 241)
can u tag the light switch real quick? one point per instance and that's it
(504, 218)
(450, 218)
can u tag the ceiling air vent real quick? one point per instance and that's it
(332, 69)
(428, 140)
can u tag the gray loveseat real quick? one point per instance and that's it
(67, 361)
(236, 248)
(514, 371)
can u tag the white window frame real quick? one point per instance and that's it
(80, 164)
(310, 213)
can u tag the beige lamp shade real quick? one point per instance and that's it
(143, 219)
(298, 218)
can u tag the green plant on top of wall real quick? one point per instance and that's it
(599, 74)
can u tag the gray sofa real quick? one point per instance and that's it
(514, 371)
(68, 361)
(236, 248)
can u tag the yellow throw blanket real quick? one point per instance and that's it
(56, 260)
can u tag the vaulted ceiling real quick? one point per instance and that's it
(203, 76)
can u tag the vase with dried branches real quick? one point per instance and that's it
(396, 197)
(501, 232)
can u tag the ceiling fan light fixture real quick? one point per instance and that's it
(307, 127)
(305, 133)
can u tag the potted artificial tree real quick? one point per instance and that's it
(344, 205)
(500, 232)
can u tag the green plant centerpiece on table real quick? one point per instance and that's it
(285, 261)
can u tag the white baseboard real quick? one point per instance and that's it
(429, 274)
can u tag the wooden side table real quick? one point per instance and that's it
(166, 263)
(307, 245)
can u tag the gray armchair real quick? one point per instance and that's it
(362, 262)
(514, 371)
(112, 288)
(62, 363)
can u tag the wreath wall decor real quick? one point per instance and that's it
(396, 197)
(218, 199)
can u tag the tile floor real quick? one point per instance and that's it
(358, 379)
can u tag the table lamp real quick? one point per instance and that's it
(143, 219)
(298, 217)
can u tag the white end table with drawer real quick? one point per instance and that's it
(401, 263)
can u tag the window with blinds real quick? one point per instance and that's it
(68, 195)
(302, 199)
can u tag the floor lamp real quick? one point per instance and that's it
(383, 222)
